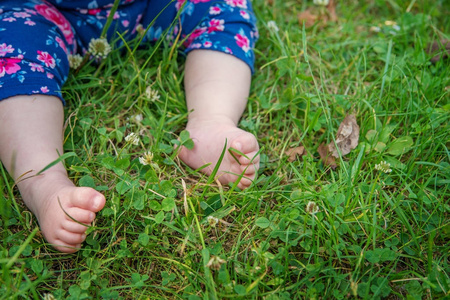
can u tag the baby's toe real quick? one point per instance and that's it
(65, 247)
(71, 238)
(80, 215)
(248, 170)
(249, 158)
(88, 199)
(74, 227)
(245, 143)
(244, 183)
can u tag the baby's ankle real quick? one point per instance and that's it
(32, 186)
(210, 120)
(33, 179)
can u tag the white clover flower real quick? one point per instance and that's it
(321, 2)
(212, 221)
(312, 208)
(99, 48)
(375, 29)
(151, 94)
(132, 138)
(146, 159)
(137, 118)
(215, 262)
(49, 297)
(383, 167)
(75, 60)
(272, 25)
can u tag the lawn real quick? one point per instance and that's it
(372, 224)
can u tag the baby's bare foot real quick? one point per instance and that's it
(41, 194)
(209, 138)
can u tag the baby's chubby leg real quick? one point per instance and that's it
(217, 86)
(30, 138)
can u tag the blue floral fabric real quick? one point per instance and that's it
(37, 36)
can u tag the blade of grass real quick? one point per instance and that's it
(386, 67)
(217, 166)
(22, 247)
(110, 18)
(205, 254)
(10, 192)
(56, 161)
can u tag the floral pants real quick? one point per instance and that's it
(37, 36)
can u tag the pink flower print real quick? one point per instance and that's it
(54, 16)
(116, 15)
(36, 67)
(125, 23)
(242, 41)
(254, 34)
(29, 22)
(216, 25)
(176, 29)
(61, 43)
(195, 46)
(207, 44)
(9, 66)
(10, 19)
(47, 59)
(228, 50)
(22, 15)
(237, 3)
(199, 1)
(214, 10)
(45, 89)
(179, 4)
(50, 76)
(138, 19)
(94, 12)
(198, 32)
(244, 14)
(5, 49)
(30, 11)
(195, 34)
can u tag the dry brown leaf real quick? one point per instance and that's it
(347, 137)
(439, 50)
(331, 7)
(296, 152)
(307, 17)
(326, 157)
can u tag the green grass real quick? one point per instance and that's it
(375, 235)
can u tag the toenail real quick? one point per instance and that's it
(83, 236)
(97, 203)
(91, 216)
